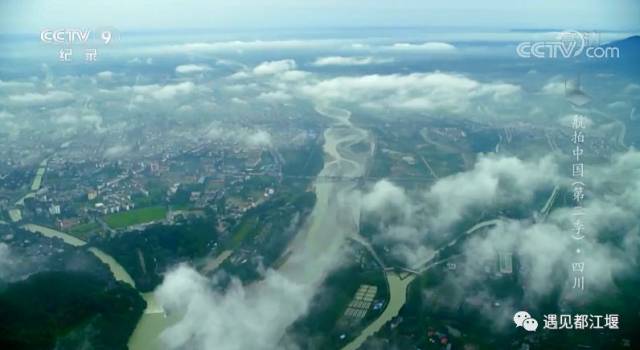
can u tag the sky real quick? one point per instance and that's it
(27, 16)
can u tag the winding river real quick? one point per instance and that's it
(314, 251)
(153, 320)
(336, 214)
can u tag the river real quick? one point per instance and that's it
(336, 213)
(398, 284)
(315, 250)
(153, 320)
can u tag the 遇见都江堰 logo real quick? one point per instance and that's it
(523, 319)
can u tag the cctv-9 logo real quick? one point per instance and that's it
(69, 36)
(107, 35)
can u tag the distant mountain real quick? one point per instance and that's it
(629, 47)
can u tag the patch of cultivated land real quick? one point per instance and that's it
(135, 217)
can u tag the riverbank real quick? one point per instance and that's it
(146, 334)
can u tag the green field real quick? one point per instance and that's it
(82, 230)
(135, 217)
(243, 230)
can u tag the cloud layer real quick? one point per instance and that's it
(433, 92)
(349, 61)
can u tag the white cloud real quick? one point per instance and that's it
(192, 68)
(253, 317)
(359, 46)
(67, 119)
(241, 88)
(384, 197)
(239, 135)
(237, 46)
(116, 151)
(274, 67)
(349, 61)
(6, 115)
(436, 91)
(281, 69)
(239, 101)
(274, 96)
(554, 88)
(32, 98)
(541, 247)
(632, 89)
(408, 221)
(493, 181)
(106, 75)
(239, 75)
(15, 84)
(165, 92)
(431, 47)
(294, 75)
(138, 60)
(259, 138)
(542, 250)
